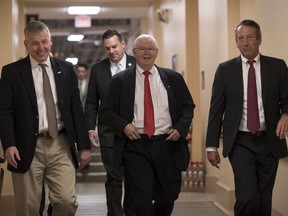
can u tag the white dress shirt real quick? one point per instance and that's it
(38, 84)
(117, 67)
(159, 95)
(245, 69)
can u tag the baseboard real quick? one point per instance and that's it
(225, 197)
(210, 182)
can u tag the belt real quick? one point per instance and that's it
(154, 137)
(45, 134)
(257, 134)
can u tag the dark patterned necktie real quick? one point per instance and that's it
(149, 125)
(253, 123)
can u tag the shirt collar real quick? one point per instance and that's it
(34, 63)
(256, 59)
(140, 70)
(122, 62)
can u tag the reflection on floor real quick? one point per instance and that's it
(91, 199)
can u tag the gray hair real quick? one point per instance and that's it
(35, 27)
(144, 37)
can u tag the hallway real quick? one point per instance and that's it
(91, 199)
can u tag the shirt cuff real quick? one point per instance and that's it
(211, 149)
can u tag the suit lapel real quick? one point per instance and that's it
(265, 71)
(129, 61)
(26, 73)
(131, 78)
(170, 93)
(59, 77)
(107, 70)
(237, 67)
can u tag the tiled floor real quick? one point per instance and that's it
(91, 199)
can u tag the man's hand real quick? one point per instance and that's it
(11, 155)
(84, 158)
(131, 132)
(214, 158)
(94, 141)
(282, 127)
(174, 135)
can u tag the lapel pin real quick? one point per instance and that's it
(129, 64)
(59, 72)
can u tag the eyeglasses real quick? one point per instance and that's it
(148, 49)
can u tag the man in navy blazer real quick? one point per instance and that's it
(100, 77)
(152, 163)
(33, 154)
(253, 155)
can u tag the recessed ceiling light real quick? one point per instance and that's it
(83, 10)
(73, 60)
(75, 37)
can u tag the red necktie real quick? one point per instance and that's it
(149, 126)
(253, 123)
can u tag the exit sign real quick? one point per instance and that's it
(82, 21)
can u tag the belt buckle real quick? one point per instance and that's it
(260, 133)
(45, 135)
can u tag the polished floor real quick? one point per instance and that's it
(91, 199)
(92, 202)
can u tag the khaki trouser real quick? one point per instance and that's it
(53, 164)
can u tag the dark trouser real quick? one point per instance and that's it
(153, 180)
(254, 169)
(113, 186)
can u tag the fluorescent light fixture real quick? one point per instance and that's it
(75, 37)
(83, 10)
(73, 60)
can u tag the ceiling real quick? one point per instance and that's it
(123, 15)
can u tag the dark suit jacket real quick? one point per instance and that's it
(117, 110)
(227, 101)
(99, 81)
(19, 110)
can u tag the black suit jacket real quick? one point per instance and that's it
(227, 102)
(117, 110)
(19, 110)
(99, 81)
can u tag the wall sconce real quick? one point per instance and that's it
(162, 15)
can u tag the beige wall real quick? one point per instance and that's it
(10, 51)
(175, 39)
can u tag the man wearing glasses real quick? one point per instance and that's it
(150, 109)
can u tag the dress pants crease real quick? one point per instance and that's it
(255, 169)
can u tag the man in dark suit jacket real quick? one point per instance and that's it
(83, 79)
(253, 154)
(100, 78)
(34, 153)
(152, 160)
